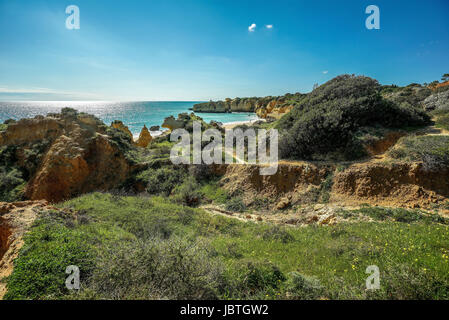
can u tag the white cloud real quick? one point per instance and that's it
(252, 27)
(325, 72)
(269, 26)
(44, 92)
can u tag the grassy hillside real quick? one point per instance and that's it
(150, 247)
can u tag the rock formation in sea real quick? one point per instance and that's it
(144, 138)
(184, 121)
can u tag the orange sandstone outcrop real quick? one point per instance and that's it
(81, 154)
(393, 184)
(274, 109)
(144, 138)
(290, 180)
(119, 125)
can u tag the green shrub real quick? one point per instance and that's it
(301, 287)
(188, 193)
(405, 282)
(411, 95)
(214, 193)
(201, 172)
(401, 215)
(278, 233)
(156, 269)
(443, 121)
(124, 143)
(12, 184)
(235, 204)
(254, 280)
(162, 181)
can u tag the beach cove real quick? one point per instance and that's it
(133, 114)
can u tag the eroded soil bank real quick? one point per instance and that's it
(395, 184)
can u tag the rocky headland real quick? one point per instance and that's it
(265, 107)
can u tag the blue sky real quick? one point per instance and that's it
(201, 50)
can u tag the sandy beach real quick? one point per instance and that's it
(232, 125)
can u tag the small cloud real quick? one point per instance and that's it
(252, 27)
(269, 26)
(325, 72)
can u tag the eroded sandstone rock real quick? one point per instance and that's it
(119, 125)
(144, 138)
(80, 154)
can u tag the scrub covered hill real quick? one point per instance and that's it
(331, 121)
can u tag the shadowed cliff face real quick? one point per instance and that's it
(81, 154)
(4, 236)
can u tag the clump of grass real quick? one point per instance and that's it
(236, 205)
(277, 233)
(251, 279)
(212, 192)
(300, 287)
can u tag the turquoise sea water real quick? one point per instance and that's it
(133, 114)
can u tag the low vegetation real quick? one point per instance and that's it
(151, 248)
(433, 151)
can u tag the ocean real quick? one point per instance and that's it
(133, 114)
